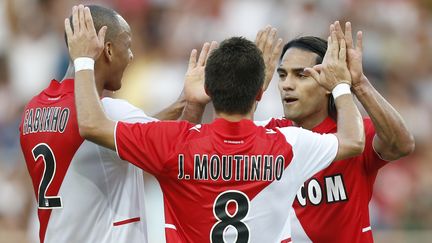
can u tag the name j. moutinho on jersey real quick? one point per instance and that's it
(237, 167)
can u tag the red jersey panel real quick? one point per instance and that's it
(333, 205)
(49, 139)
(225, 180)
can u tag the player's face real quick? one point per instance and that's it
(302, 97)
(121, 56)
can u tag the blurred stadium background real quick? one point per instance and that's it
(397, 59)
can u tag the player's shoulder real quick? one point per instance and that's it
(121, 110)
(274, 122)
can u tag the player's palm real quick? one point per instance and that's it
(194, 86)
(195, 75)
(271, 50)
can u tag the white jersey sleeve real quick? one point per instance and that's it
(147, 193)
(121, 110)
(312, 152)
(262, 123)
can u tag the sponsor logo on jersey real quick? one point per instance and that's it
(331, 190)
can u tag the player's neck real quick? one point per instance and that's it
(234, 117)
(70, 74)
(311, 121)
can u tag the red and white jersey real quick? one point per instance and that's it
(225, 180)
(85, 193)
(337, 197)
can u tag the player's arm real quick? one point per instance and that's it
(335, 77)
(174, 111)
(84, 42)
(392, 139)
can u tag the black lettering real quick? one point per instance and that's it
(279, 167)
(215, 167)
(201, 167)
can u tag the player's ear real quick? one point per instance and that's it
(108, 51)
(206, 91)
(259, 95)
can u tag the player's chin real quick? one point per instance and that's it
(113, 86)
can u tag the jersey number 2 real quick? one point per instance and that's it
(49, 160)
(226, 219)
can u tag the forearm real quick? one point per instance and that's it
(350, 131)
(193, 112)
(174, 111)
(393, 138)
(92, 121)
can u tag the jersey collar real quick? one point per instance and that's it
(242, 127)
(57, 88)
(326, 126)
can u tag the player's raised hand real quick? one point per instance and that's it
(271, 48)
(194, 79)
(82, 38)
(354, 55)
(334, 69)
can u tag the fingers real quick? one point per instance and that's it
(258, 38)
(192, 59)
(68, 29)
(334, 47)
(75, 19)
(277, 49)
(102, 34)
(269, 41)
(342, 50)
(359, 45)
(89, 20)
(313, 73)
(213, 45)
(81, 18)
(203, 55)
(339, 32)
(262, 37)
(348, 36)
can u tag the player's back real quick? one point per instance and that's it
(85, 193)
(49, 139)
(225, 180)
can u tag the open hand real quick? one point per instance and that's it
(194, 79)
(334, 69)
(354, 53)
(271, 50)
(83, 40)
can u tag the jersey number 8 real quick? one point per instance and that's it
(226, 219)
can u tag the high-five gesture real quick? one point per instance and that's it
(194, 79)
(333, 70)
(81, 37)
(354, 52)
(271, 50)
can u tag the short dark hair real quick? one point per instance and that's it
(234, 75)
(317, 46)
(103, 16)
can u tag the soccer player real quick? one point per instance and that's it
(228, 179)
(85, 193)
(332, 206)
